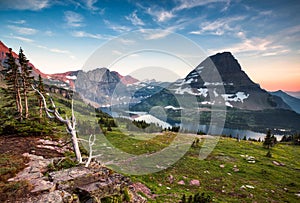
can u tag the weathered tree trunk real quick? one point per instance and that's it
(19, 99)
(26, 103)
(76, 146)
(70, 123)
(41, 109)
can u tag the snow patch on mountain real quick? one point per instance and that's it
(151, 119)
(173, 108)
(228, 104)
(71, 77)
(188, 90)
(237, 97)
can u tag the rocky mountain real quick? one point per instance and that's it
(293, 102)
(240, 91)
(109, 88)
(248, 105)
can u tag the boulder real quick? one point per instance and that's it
(195, 182)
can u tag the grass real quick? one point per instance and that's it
(9, 166)
(271, 183)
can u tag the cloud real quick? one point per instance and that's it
(158, 33)
(49, 33)
(90, 5)
(89, 35)
(117, 28)
(34, 5)
(188, 4)
(135, 20)
(23, 39)
(73, 19)
(159, 14)
(23, 30)
(126, 41)
(255, 47)
(60, 51)
(217, 27)
(18, 22)
(56, 50)
(226, 7)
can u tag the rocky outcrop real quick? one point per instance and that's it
(76, 184)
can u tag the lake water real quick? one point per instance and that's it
(227, 131)
(213, 130)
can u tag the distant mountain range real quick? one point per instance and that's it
(293, 102)
(248, 105)
(294, 94)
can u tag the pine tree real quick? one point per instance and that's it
(270, 140)
(41, 88)
(12, 78)
(27, 79)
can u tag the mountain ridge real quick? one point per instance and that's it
(293, 102)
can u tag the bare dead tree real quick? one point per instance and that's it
(70, 123)
(91, 142)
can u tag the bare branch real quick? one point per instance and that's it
(45, 103)
(92, 140)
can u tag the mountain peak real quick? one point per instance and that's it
(225, 62)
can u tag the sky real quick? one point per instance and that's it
(58, 36)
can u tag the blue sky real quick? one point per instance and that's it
(60, 35)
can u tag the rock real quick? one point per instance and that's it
(41, 186)
(236, 169)
(52, 197)
(278, 163)
(249, 186)
(195, 182)
(92, 184)
(181, 182)
(222, 166)
(139, 187)
(171, 179)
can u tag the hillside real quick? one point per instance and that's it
(233, 172)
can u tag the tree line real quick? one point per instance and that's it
(18, 77)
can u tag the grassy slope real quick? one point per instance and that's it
(271, 182)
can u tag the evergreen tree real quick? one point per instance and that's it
(270, 140)
(12, 78)
(27, 79)
(41, 88)
(296, 139)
